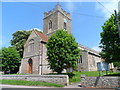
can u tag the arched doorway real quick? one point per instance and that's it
(29, 70)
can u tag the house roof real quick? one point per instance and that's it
(41, 35)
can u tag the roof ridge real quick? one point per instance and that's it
(41, 35)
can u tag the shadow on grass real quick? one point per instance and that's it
(70, 75)
(118, 74)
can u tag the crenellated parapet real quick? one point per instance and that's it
(57, 8)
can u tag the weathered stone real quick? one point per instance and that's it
(58, 79)
(101, 82)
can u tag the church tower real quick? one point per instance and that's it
(56, 19)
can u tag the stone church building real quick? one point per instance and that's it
(34, 59)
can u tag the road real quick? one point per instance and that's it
(70, 87)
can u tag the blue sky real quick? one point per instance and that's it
(87, 19)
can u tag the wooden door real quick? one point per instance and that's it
(29, 66)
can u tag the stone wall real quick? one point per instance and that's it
(84, 65)
(100, 82)
(58, 79)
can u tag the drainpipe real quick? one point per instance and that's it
(42, 43)
(39, 59)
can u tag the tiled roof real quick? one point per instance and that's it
(89, 49)
(44, 37)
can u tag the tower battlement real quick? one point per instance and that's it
(56, 19)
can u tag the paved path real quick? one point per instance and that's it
(21, 86)
(75, 86)
(78, 85)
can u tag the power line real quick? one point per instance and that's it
(104, 6)
(88, 15)
(38, 6)
(70, 12)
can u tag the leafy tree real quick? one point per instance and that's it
(116, 64)
(62, 51)
(110, 42)
(19, 39)
(10, 59)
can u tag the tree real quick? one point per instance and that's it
(62, 51)
(110, 42)
(19, 39)
(10, 59)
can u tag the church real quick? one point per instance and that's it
(35, 59)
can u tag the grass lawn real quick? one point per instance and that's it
(29, 83)
(76, 75)
(114, 74)
(73, 78)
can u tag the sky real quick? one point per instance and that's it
(87, 18)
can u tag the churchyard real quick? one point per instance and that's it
(74, 77)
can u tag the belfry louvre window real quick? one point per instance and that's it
(65, 26)
(50, 24)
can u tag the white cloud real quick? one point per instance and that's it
(36, 29)
(108, 7)
(70, 6)
(97, 48)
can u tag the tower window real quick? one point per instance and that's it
(50, 24)
(65, 26)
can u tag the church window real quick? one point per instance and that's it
(65, 26)
(31, 45)
(65, 20)
(50, 24)
(79, 61)
(93, 60)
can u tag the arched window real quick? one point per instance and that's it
(31, 45)
(50, 24)
(79, 61)
(65, 26)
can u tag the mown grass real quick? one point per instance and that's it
(114, 74)
(29, 83)
(76, 75)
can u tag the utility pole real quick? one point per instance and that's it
(117, 22)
